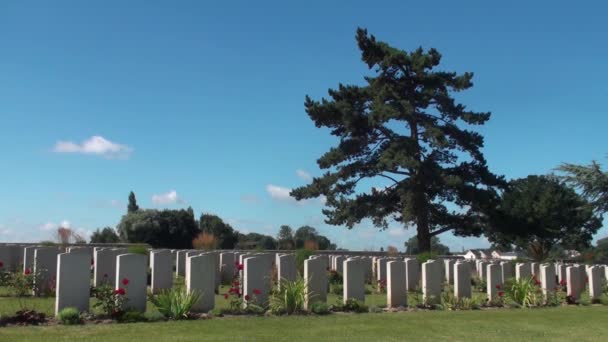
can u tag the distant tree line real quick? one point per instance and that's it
(180, 229)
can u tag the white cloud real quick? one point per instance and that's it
(170, 197)
(280, 193)
(304, 175)
(396, 232)
(48, 226)
(95, 145)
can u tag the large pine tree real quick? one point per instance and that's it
(405, 127)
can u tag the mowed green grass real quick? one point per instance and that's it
(550, 324)
(9, 305)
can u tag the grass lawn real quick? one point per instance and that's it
(550, 324)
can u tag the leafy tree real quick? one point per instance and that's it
(105, 235)
(303, 234)
(403, 127)
(308, 233)
(132, 207)
(225, 235)
(285, 238)
(412, 247)
(256, 241)
(591, 181)
(539, 212)
(160, 229)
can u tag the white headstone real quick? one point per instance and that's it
(431, 281)
(494, 280)
(257, 279)
(462, 280)
(412, 274)
(73, 281)
(396, 291)
(162, 270)
(45, 268)
(286, 268)
(131, 276)
(201, 279)
(315, 275)
(354, 279)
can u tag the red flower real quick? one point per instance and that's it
(120, 291)
(225, 296)
(563, 282)
(27, 271)
(536, 282)
(1, 264)
(240, 267)
(125, 281)
(498, 286)
(500, 293)
(257, 292)
(246, 297)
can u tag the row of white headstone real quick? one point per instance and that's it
(204, 271)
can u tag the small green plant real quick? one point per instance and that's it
(353, 305)
(414, 299)
(175, 303)
(335, 278)
(301, 256)
(154, 316)
(479, 283)
(109, 300)
(70, 316)
(604, 299)
(337, 289)
(557, 297)
(289, 297)
(132, 316)
(320, 308)
(524, 292)
(584, 299)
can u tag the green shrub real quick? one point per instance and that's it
(376, 309)
(132, 316)
(450, 302)
(585, 299)
(604, 299)
(301, 255)
(320, 308)
(353, 305)
(175, 303)
(217, 312)
(289, 297)
(524, 292)
(335, 277)
(154, 316)
(337, 289)
(426, 256)
(479, 284)
(138, 249)
(69, 316)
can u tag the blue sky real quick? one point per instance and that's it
(201, 104)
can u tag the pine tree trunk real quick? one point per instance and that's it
(424, 234)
